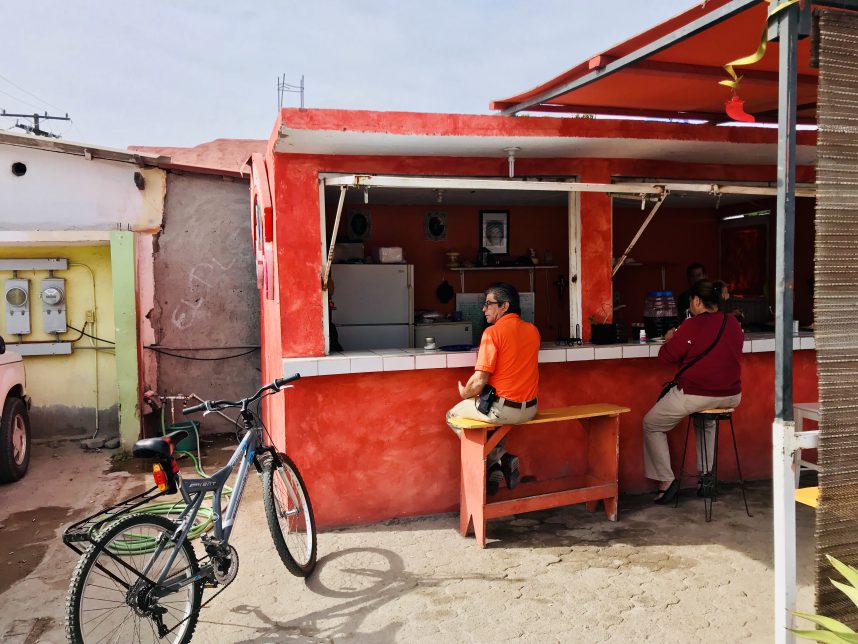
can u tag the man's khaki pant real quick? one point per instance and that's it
(497, 414)
(664, 416)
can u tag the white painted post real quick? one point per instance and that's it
(783, 480)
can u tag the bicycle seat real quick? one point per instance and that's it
(159, 446)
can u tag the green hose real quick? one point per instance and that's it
(134, 544)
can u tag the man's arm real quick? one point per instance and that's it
(475, 384)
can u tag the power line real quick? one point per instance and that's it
(18, 98)
(41, 100)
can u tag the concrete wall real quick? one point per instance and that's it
(67, 192)
(67, 390)
(205, 292)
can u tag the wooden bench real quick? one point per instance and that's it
(600, 422)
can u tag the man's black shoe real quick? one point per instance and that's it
(494, 475)
(509, 467)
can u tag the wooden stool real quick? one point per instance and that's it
(709, 496)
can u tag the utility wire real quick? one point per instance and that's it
(41, 100)
(88, 335)
(18, 98)
(176, 355)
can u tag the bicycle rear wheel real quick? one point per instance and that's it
(290, 515)
(111, 599)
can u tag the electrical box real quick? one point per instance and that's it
(53, 296)
(18, 306)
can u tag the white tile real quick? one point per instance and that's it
(367, 364)
(609, 353)
(635, 351)
(746, 346)
(358, 354)
(580, 353)
(334, 364)
(302, 366)
(796, 343)
(398, 363)
(554, 354)
(462, 359)
(431, 360)
(763, 345)
(653, 350)
(808, 342)
(387, 352)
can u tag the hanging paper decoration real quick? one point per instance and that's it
(735, 109)
(735, 106)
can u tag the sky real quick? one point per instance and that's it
(169, 73)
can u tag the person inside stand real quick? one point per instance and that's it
(694, 273)
(713, 381)
(507, 361)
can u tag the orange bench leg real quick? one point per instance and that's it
(473, 490)
(603, 454)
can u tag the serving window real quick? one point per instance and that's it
(413, 255)
(732, 235)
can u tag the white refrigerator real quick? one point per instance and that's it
(374, 305)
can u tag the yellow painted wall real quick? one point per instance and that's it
(70, 381)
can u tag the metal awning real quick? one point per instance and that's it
(673, 71)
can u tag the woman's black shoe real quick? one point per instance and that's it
(669, 494)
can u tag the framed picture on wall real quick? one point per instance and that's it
(744, 260)
(494, 231)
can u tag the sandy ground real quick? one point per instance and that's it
(657, 575)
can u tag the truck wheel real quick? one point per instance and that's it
(14, 440)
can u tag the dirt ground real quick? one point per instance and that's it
(657, 575)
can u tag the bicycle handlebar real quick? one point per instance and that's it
(216, 405)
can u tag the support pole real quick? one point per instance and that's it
(327, 270)
(783, 428)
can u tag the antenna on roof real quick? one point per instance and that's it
(35, 129)
(283, 87)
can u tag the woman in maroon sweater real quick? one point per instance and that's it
(714, 381)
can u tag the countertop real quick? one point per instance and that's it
(413, 359)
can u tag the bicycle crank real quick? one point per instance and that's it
(225, 567)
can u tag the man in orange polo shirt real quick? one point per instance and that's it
(506, 360)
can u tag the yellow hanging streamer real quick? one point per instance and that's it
(757, 55)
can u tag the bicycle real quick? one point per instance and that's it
(139, 578)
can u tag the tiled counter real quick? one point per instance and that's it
(414, 359)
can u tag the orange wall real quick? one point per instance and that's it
(539, 228)
(365, 459)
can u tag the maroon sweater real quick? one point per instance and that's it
(718, 373)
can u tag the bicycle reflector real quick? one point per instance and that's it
(160, 477)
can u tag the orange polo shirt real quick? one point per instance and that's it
(508, 351)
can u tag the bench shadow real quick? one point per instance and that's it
(641, 524)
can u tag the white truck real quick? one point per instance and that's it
(15, 420)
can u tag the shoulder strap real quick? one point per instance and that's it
(709, 348)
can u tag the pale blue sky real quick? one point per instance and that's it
(181, 73)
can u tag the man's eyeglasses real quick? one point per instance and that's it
(488, 303)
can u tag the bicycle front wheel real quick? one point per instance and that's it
(113, 597)
(290, 515)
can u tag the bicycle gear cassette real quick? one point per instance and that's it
(226, 568)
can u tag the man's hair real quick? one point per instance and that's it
(504, 292)
(693, 267)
